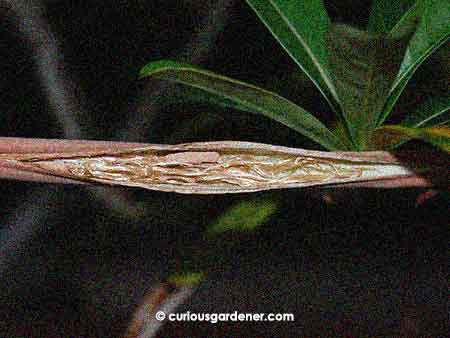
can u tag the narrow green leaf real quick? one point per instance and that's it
(301, 28)
(245, 216)
(442, 120)
(408, 22)
(182, 94)
(432, 32)
(364, 67)
(389, 135)
(432, 113)
(240, 95)
(385, 14)
(428, 113)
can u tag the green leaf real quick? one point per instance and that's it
(301, 28)
(432, 32)
(186, 278)
(244, 96)
(385, 14)
(432, 113)
(442, 120)
(428, 113)
(408, 22)
(245, 216)
(364, 68)
(182, 94)
(393, 134)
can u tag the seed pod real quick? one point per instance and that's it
(199, 168)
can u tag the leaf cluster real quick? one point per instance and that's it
(360, 73)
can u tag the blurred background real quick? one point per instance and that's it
(76, 261)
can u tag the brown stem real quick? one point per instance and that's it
(146, 322)
(211, 167)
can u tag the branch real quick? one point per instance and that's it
(145, 322)
(213, 167)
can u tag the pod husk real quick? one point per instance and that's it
(205, 167)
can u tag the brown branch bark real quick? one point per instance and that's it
(213, 167)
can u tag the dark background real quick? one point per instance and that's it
(76, 260)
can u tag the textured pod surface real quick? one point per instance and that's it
(204, 168)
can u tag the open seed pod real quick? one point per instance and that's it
(201, 168)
